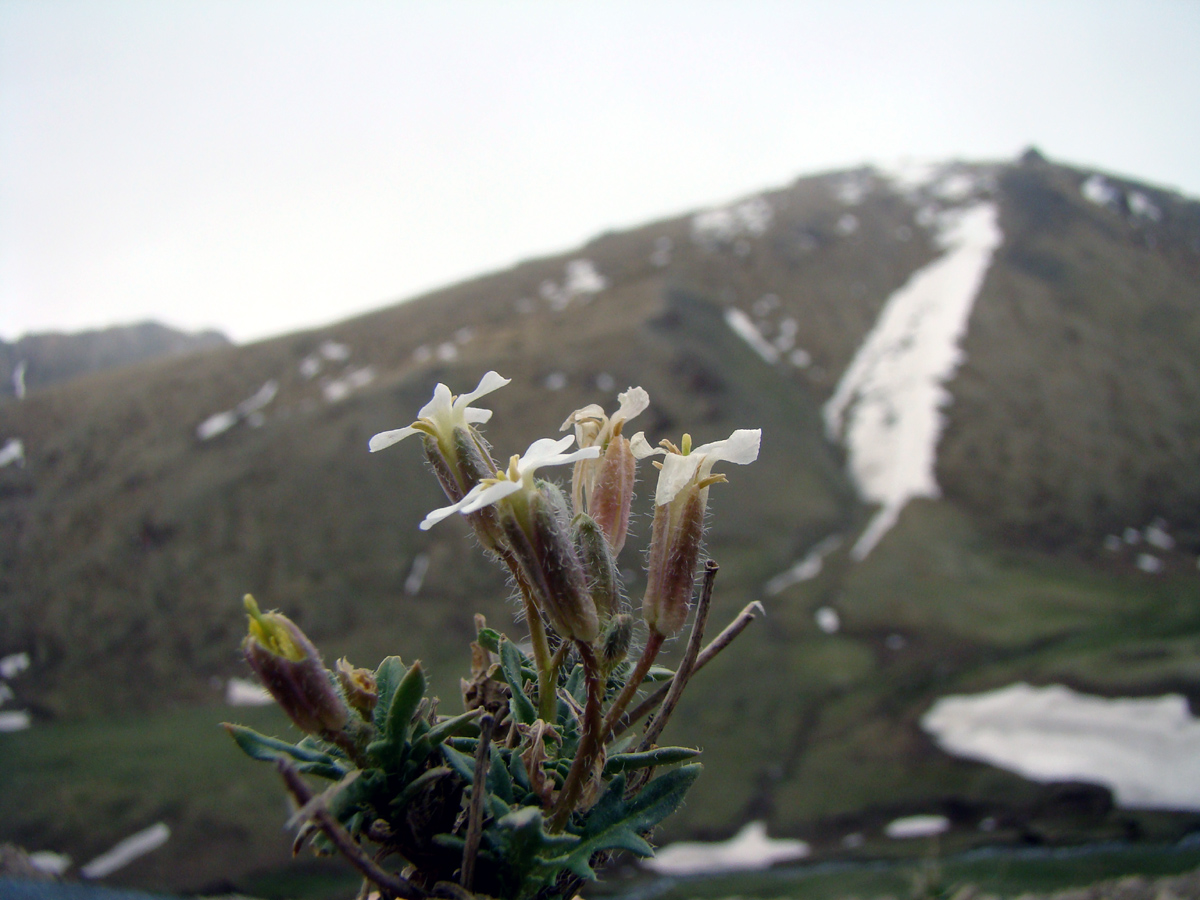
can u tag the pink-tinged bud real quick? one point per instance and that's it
(290, 667)
(359, 686)
(674, 551)
(612, 491)
(548, 559)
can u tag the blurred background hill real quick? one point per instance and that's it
(1058, 545)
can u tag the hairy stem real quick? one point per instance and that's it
(590, 742)
(546, 671)
(475, 815)
(391, 885)
(649, 653)
(687, 664)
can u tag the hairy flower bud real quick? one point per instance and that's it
(289, 666)
(616, 641)
(597, 557)
(674, 551)
(612, 491)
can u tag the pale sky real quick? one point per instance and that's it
(260, 167)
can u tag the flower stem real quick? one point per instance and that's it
(650, 653)
(590, 741)
(547, 694)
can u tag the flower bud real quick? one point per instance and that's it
(616, 640)
(596, 555)
(548, 558)
(674, 551)
(612, 491)
(359, 687)
(289, 666)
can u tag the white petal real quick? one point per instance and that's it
(543, 450)
(741, 447)
(387, 438)
(446, 512)
(489, 495)
(476, 416)
(591, 411)
(641, 447)
(439, 405)
(633, 402)
(491, 381)
(676, 472)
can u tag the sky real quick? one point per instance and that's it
(261, 167)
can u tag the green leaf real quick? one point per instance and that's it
(407, 697)
(269, 749)
(387, 678)
(499, 782)
(616, 823)
(575, 686)
(521, 841)
(415, 786)
(510, 662)
(451, 727)
(489, 639)
(460, 762)
(660, 756)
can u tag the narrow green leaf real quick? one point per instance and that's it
(499, 782)
(387, 678)
(660, 756)
(461, 763)
(268, 749)
(489, 639)
(510, 662)
(407, 697)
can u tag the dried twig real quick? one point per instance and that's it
(687, 664)
(751, 612)
(392, 885)
(475, 820)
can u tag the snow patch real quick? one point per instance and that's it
(334, 351)
(1098, 190)
(13, 451)
(555, 381)
(1156, 536)
(917, 827)
(242, 692)
(1141, 205)
(846, 225)
(807, 568)
(661, 256)
(749, 849)
(416, 574)
(13, 665)
(744, 328)
(18, 379)
(852, 190)
(828, 620)
(50, 862)
(127, 851)
(1146, 751)
(17, 720)
(582, 281)
(339, 389)
(750, 218)
(1148, 562)
(887, 406)
(249, 409)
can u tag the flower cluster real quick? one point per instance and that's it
(543, 727)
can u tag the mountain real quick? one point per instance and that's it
(979, 391)
(37, 360)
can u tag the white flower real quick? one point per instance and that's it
(519, 476)
(593, 427)
(681, 467)
(444, 413)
